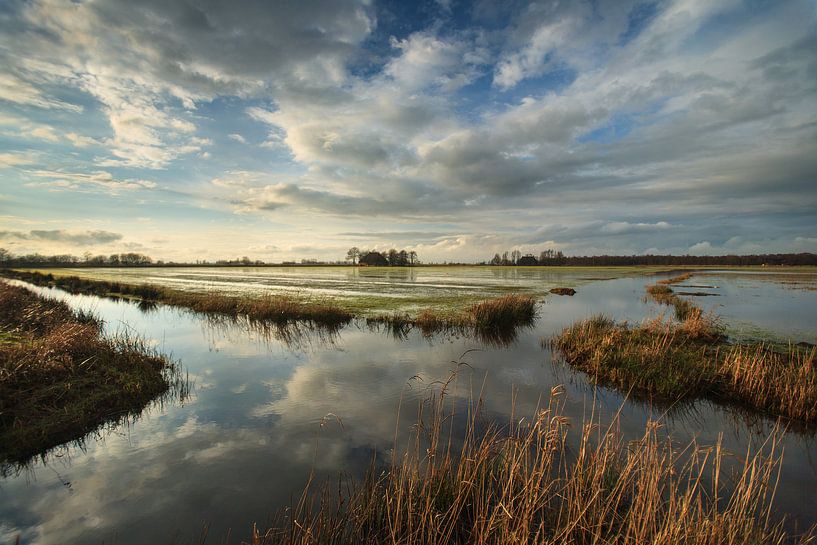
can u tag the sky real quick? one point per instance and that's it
(280, 130)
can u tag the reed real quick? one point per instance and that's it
(273, 308)
(534, 482)
(661, 293)
(495, 321)
(669, 361)
(61, 379)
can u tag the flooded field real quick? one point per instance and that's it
(365, 289)
(267, 409)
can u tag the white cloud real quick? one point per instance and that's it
(88, 181)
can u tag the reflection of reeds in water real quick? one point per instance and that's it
(494, 322)
(60, 379)
(527, 484)
(294, 335)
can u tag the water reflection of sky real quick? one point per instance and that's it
(245, 441)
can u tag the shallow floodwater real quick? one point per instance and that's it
(266, 411)
(395, 288)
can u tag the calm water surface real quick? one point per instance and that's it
(243, 444)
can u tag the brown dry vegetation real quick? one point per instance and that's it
(273, 308)
(662, 293)
(60, 379)
(673, 361)
(532, 485)
(494, 321)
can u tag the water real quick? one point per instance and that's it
(265, 412)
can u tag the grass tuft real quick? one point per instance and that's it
(532, 484)
(495, 321)
(670, 361)
(60, 379)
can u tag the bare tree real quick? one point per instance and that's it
(515, 255)
(353, 254)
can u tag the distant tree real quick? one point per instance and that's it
(353, 254)
(393, 257)
(374, 259)
(5, 255)
(505, 259)
(515, 255)
(497, 260)
(412, 258)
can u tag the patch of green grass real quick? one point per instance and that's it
(60, 379)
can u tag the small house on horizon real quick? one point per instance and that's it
(373, 259)
(527, 260)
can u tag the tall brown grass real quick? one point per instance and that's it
(780, 382)
(495, 321)
(533, 483)
(670, 361)
(61, 379)
(661, 293)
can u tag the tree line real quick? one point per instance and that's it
(390, 258)
(557, 258)
(130, 259)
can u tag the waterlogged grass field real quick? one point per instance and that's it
(270, 410)
(368, 290)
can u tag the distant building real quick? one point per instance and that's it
(527, 261)
(373, 259)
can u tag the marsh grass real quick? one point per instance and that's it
(494, 321)
(272, 308)
(540, 481)
(61, 379)
(661, 293)
(668, 361)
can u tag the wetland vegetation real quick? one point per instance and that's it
(60, 379)
(670, 361)
(529, 483)
(474, 471)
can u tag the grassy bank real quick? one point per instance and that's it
(670, 361)
(265, 307)
(495, 320)
(691, 358)
(661, 292)
(535, 483)
(60, 379)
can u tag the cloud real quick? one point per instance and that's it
(611, 127)
(94, 181)
(16, 158)
(137, 60)
(81, 238)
